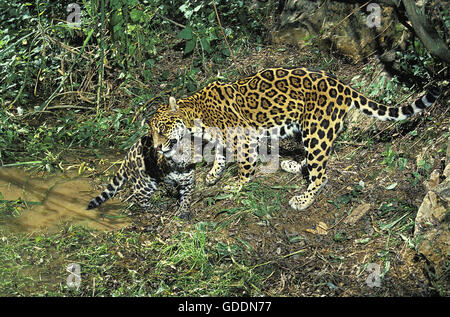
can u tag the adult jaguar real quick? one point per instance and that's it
(146, 169)
(280, 102)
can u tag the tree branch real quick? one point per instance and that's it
(425, 31)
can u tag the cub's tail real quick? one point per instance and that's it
(385, 113)
(116, 184)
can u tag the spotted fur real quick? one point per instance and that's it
(146, 169)
(284, 101)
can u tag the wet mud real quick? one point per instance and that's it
(51, 201)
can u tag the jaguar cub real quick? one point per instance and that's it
(281, 102)
(146, 169)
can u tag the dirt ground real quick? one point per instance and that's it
(361, 225)
(357, 238)
(318, 252)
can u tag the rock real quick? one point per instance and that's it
(446, 172)
(434, 180)
(431, 226)
(447, 155)
(348, 28)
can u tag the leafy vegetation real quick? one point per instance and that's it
(70, 89)
(50, 65)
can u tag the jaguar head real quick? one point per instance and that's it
(167, 128)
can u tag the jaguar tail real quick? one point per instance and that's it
(377, 110)
(113, 187)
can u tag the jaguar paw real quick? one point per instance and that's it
(301, 202)
(232, 188)
(291, 166)
(211, 179)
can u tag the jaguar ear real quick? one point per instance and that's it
(173, 104)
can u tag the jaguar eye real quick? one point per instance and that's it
(172, 142)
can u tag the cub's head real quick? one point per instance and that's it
(167, 128)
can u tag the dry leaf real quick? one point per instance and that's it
(357, 213)
(322, 228)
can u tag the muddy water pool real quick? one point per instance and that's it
(50, 201)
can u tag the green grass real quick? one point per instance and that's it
(192, 262)
(196, 260)
(256, 198)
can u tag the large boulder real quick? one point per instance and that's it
(348, 28)
(431, 230)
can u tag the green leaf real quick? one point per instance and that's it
(183, 7)
(224, 196)
(402, 163)
(190, 45)
(362, 241)
(424, 165)
(135, 15)
(393, 223)
(185, 34)
(226, 52)
(205, 44)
